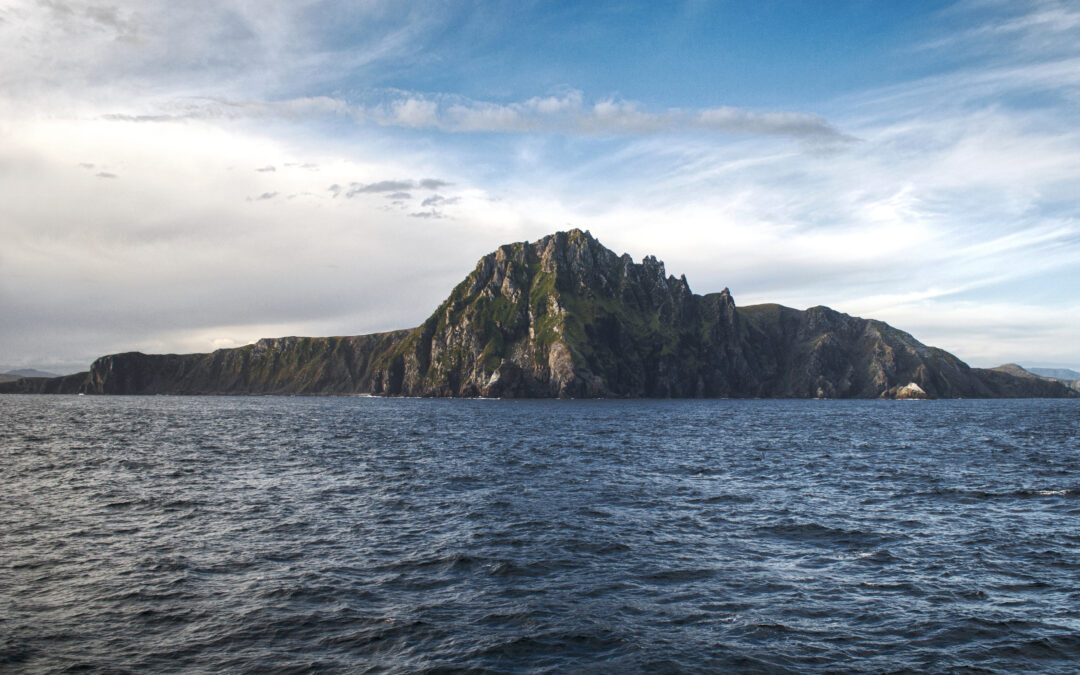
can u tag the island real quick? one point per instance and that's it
(566, 317)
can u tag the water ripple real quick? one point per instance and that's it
(374, 535)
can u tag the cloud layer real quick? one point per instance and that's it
(566, 115)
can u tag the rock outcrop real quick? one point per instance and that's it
(910, 391)
(566, 317)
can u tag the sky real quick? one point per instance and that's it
(183, 177)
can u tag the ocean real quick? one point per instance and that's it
(349, 534)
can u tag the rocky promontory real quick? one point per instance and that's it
(566, 317)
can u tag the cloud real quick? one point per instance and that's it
(266, 169)
(120, 117)
(433, 214)
(68, 50)
(566, 115)
(140, 265)
(439, 200)
(569, 114)
(398, 187)
(105, 174)
(800, 125)
(399, 195)
(415, 112)
(380, 186)
(1007, 30)
(215, 108)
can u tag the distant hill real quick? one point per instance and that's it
(1024, 373)
(1016, 370)
(1056, 373)
(18, 374)
(30, 372)
(566, 317)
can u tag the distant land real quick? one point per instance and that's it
(566, 317)
(19, 373)
(1029, 374)
(1056, 373)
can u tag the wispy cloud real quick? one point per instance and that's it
(1008, 30)
(58, 49)
(161, 62)
(433, 184)
(432, 214)
(439, 200)
(381, 186)
(398, 189)
(216, 108)
(568, 114)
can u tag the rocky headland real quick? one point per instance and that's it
(566, 317)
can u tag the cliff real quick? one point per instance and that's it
(566, 317)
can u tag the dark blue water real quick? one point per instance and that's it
(358, 534)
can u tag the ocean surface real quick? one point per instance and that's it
(254, 534)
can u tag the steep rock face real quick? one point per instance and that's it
(65, 384)
(290, 365)
(820, 352)
(564, 316)
(1012, 381)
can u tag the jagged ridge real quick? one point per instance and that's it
(566, 317)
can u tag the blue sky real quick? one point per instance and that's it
(694, 55)
(185, 176)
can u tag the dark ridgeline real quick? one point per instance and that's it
(567, 317)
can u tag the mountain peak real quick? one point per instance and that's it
(1016, 370)
(539, 315)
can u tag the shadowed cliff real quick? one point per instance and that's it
(566, 317)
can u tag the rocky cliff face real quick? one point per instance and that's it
(67, 384)
(566, 317)
(290, 365)
(820, 352)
